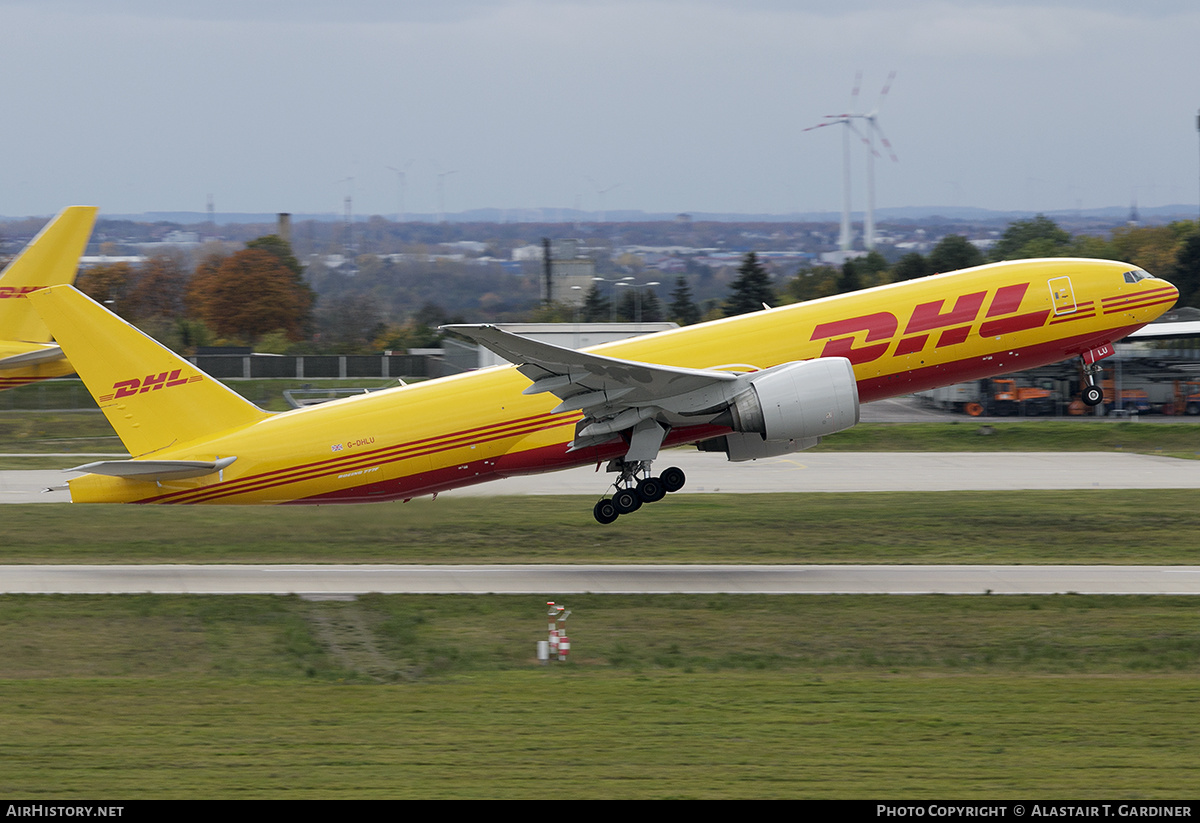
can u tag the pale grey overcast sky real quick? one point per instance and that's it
(669, 106)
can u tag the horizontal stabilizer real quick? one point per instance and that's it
(32, 358)
(154, 469)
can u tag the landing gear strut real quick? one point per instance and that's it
(635, 486)
(1092, 394)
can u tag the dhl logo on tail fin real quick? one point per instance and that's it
(151, 382)
(152, 397)
(16, 291)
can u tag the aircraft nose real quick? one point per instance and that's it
(1174, 292)
(1165, 293)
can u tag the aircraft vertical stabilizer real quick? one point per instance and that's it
(50, 258)
(152, 397)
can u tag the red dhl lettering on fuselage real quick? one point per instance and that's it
(151, 382)
(17, 291)
(952, 326)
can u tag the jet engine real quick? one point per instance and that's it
(788, 408)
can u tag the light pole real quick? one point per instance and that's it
(612, 301)
(637, 291)
(578, 303)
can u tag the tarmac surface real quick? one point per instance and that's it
(809, 472)
(339, 581)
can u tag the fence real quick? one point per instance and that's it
(223, 366)
(70, 393)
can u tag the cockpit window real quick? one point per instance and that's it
(1136, 275)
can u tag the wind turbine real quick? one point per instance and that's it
(441, 189)
(600, 195)
(874, 128)
(847, 123)
(348, 218)
(401, 185)
(846, 120)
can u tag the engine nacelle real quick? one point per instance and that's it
(789, 408)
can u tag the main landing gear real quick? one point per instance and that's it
(631, 492)
(1092, 394)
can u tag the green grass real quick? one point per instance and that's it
(130, 697)
(70, 431)
(1090, 526)
(418, 638)
(1146, 437)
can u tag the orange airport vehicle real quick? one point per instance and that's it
(757, 385)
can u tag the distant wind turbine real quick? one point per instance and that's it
(441, 189)
(401, 185)
(874, 128)
(600, 195)
(846, 120)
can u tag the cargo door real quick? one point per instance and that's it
(1062, 295)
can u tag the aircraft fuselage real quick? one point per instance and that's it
(470, 428)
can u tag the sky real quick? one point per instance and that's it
(698, 106)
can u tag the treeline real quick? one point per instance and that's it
(1171, 252)
(256, 296)
(261, 296)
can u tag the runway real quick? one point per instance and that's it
(811, 472)
(707, 473)
(328, 581)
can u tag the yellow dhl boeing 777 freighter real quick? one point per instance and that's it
(753, 386)
(26, 353)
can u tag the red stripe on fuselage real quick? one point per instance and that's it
(13, 382)
(530, 461)
(1123, 301)
(377, 457)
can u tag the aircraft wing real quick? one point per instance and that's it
(567, 373)
(31, 358)
(613, 394)
(155, 469)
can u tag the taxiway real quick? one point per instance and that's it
(351, 580)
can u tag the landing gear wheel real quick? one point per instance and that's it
(651, 490)
(626, 501)
(1093, 395)
(673, 479)
(605, 512)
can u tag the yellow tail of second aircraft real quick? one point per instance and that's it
(152, 397)
(52, 257)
